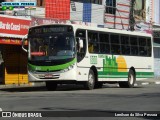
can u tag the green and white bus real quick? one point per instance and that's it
(69, 53)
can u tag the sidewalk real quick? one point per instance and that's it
(41, 84)
(148, 81)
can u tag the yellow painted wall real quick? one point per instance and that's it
(15, 61)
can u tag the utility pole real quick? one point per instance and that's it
(131, 16)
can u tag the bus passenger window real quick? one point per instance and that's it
(149, 47)
(90, 47)
(80, 34)
(125, 50)
(104, 43)
(134, 50)
(143, 51)
(115, 49)
(93, 42)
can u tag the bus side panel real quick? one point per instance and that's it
(83, 68)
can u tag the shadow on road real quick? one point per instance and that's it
(65, 87)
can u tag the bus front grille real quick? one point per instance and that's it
(52, 76)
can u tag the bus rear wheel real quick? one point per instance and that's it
(51, 86)
(89, 85)
(131, 80)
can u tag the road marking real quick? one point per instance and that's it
(146, 83)
(157, 83)
(135, 84)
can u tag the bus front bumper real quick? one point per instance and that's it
(62, 76)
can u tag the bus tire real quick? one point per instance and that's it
(89, 85)
(51, 86)
(131, 80)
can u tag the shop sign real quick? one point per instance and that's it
(11, 41)
(14, 26)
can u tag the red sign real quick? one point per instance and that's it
(13, 25)
(12, 41)
(58, 9)
(38, 53)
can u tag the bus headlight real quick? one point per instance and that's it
(38, 75)
(69, 68)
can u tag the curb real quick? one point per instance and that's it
(21, 85)
(147, 83)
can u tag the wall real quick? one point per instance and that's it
(86, 12)
(58, 9)
(121, 19)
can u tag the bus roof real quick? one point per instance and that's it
(101, 29)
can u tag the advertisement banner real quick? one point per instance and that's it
(12, 26)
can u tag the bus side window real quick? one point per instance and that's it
(104, 43)
(134, 45)
(115, 44)
(93, 42)
(125, 45)
(80, 34)
(149, 47)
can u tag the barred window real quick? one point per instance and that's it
(111, 6)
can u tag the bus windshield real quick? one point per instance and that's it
(53, 46)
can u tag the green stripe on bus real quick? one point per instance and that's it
(124, 74)
(51, 68)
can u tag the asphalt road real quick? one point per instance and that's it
(109, 99)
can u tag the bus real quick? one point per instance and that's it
(92, 56)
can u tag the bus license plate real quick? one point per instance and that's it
(48, 75)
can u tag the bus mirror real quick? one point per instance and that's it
(23, 43)
(80, 43)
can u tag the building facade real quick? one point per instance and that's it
(156, 35)
(13, 60)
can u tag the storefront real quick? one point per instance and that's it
(13, 60)
(156, 45)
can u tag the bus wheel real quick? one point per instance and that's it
(130, 82)
(51, 86)
(89, 85)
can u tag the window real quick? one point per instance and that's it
(149, 47)
(81, 34)
(142, 41)
(142, 46)
(89, 1)
(115, 45)
(111, 6)
(133, 40)
(97, 2)
(125, 45)
(41, 3)
(104, 43)
(134, 45)
(93, 45)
